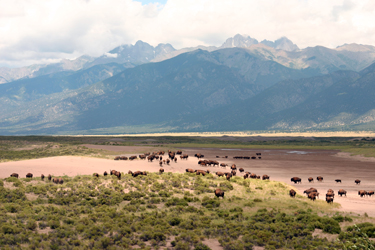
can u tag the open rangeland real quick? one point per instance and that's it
(172, 209)
(280, 165)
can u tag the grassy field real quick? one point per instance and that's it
(179, 211)
(31, 147)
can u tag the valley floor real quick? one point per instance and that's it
(280, 165)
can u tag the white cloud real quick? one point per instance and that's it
(40, 31)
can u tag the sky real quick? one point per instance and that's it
(45, 31)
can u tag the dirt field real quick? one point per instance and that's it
(281, 165)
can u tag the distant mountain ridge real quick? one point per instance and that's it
(284, 51)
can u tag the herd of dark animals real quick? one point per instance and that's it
(311, 193)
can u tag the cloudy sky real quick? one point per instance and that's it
(44, 31)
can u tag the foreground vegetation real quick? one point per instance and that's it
(177, 211)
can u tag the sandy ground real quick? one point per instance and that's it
(281, 165)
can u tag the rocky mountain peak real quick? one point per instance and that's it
(241, 41)
(282, 43)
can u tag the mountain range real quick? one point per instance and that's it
(242, 85)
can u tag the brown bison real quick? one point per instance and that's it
(29, 175)
(61, 181)
(95, 175)
(161, 170)
(370, 193)
(312, 196)
(253, 176)
(338, 180)
(362, 193)
(219, 174)
(113, 172)
(179, 152)
(296, 180)
(245, 176)
(357, 181)
(233, 172)
(133, 157)
(310, 179)
(105, 173)
(118, 174)
(241, 170)
(55, 180)
(185, 156)
(330, 194)
(229, 175)
(310, 190)
(319, 178)
(189, 170)
(42, 177)
(292, 193)
(117, 158)
(341, 192)
(49, 177)
(223, 165)
(329, 200)
(219, 192)
(14, 175)
(136, 173)
(265, 177)
(233, 167)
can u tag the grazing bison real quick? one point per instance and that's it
(223, 165)
(233, 167)
(310, 179)
(357, 181)
(219, 174)
(370, 193)
(330, 194)
(42, 177)
(117, 158)
(161, 170)
(189, 170)
(362, 193)
(296, 180)
(29, 175)
(310, 190)
(312, 196)
(55, 180)
(49, 177)
(219, 192)
(341, 192)
(95, 175)
(329, 200)
(133, 157)
(338, 180)
(136, 173)
(14, 175)
(241, 170)
(253, 176)
(179, 152)
(118, 174)
(105, 173)
(292, 193)
(265, 177)
(319, 178)
(229, 175)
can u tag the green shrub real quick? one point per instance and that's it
(174, 221)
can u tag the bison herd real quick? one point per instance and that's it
(312, 193)
(49, 177)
